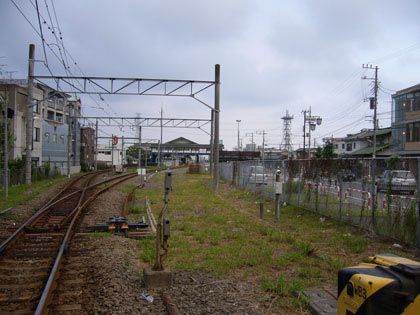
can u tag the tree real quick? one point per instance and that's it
(133, 152)
(327, 152)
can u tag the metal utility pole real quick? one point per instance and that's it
(161, 136)
(239, 146)
(139, 156)
(211, 143)
(287, 128)
(96, 146)
(29, 115)
(68, 137)
(216, 126)
(5, 175)
(251, 134)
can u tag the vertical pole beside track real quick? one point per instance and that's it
(216, 127)
(96, 146)
(29, 115)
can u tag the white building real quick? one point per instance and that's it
(111, 154)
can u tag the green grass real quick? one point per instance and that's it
(22, 194)
(222, 234)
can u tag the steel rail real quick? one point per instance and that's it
(52, 279)
(9, 241)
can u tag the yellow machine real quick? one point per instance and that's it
(388, 284)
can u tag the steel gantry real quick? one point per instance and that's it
(144, 86)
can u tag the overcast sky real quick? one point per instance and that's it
(274, 56)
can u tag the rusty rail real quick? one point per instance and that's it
(172, 308)
(52, 279)
(12, 238)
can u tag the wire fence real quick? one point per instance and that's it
(17, 176)
(379, 195)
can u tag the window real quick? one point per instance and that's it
(50, 115)
(36, 107)
(62, 139)
(342, 146)
(55, 138)
(335, 146)
(47, 137)
(59, 117)
(348, 147)
(354, 145)
(36, 134)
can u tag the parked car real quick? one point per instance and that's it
(397, 181)
(258, 176)
(348, 176)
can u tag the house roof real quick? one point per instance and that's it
(368, 133)
(407, 90)
(369, 150)
(180, 140)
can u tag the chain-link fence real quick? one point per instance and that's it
(379, 195)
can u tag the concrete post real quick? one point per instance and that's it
(112, 152)
(29, 115)
(373, 192)
(6, 182)
(139, 155)
(261, 210)
(68, 138)
(96, 146)
(216, 126)
(211, 160)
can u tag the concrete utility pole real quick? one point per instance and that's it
(96, 146)
(139, 154)
(5, 175)
(373, 166)
(263, 133)
(161, 136)
(112, 152)
(216, 126)
(122, 150)
(211, 160)
(251, 134)
(239, 146)
(304, 134)
(69, 137)
(29, 115)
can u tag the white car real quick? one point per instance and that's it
(258, 176)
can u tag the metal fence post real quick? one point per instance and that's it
(316, 193)
(284, 182)
(418, 202)
(299, 182)
(340, 189)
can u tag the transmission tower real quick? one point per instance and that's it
(287, 128)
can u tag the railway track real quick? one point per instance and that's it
(33, 256)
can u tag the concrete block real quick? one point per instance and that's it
(157, 279)
(321, 302)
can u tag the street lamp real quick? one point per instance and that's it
(238, 121)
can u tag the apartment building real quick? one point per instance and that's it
(406, 121)
(52, 113)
